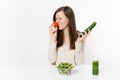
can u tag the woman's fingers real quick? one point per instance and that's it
(88, 32)
(52, 29)
(53, 32)
(83, 35)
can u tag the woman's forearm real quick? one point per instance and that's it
(79, 53)
(52, 54)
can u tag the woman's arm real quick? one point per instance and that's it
(79, 52)
(80, 45)
(52, 54)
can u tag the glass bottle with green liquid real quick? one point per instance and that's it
(95, 67)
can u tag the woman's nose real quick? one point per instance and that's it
(57, 20)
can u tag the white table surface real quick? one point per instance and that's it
(49, 72)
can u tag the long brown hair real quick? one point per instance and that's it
(72, 27)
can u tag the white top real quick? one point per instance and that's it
(64, 54)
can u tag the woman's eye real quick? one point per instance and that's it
(60, 18)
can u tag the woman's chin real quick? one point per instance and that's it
(60, 28)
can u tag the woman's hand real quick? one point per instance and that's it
(83, 36)
(53, 32)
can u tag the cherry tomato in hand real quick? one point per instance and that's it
(55, 24)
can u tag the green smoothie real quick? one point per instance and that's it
(95, 67)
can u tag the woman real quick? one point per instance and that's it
(65, 44)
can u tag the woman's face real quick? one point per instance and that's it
(62, 20)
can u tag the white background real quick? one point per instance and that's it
(24, 30)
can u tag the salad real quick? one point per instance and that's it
(65, 68)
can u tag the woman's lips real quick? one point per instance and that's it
(59, 24)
